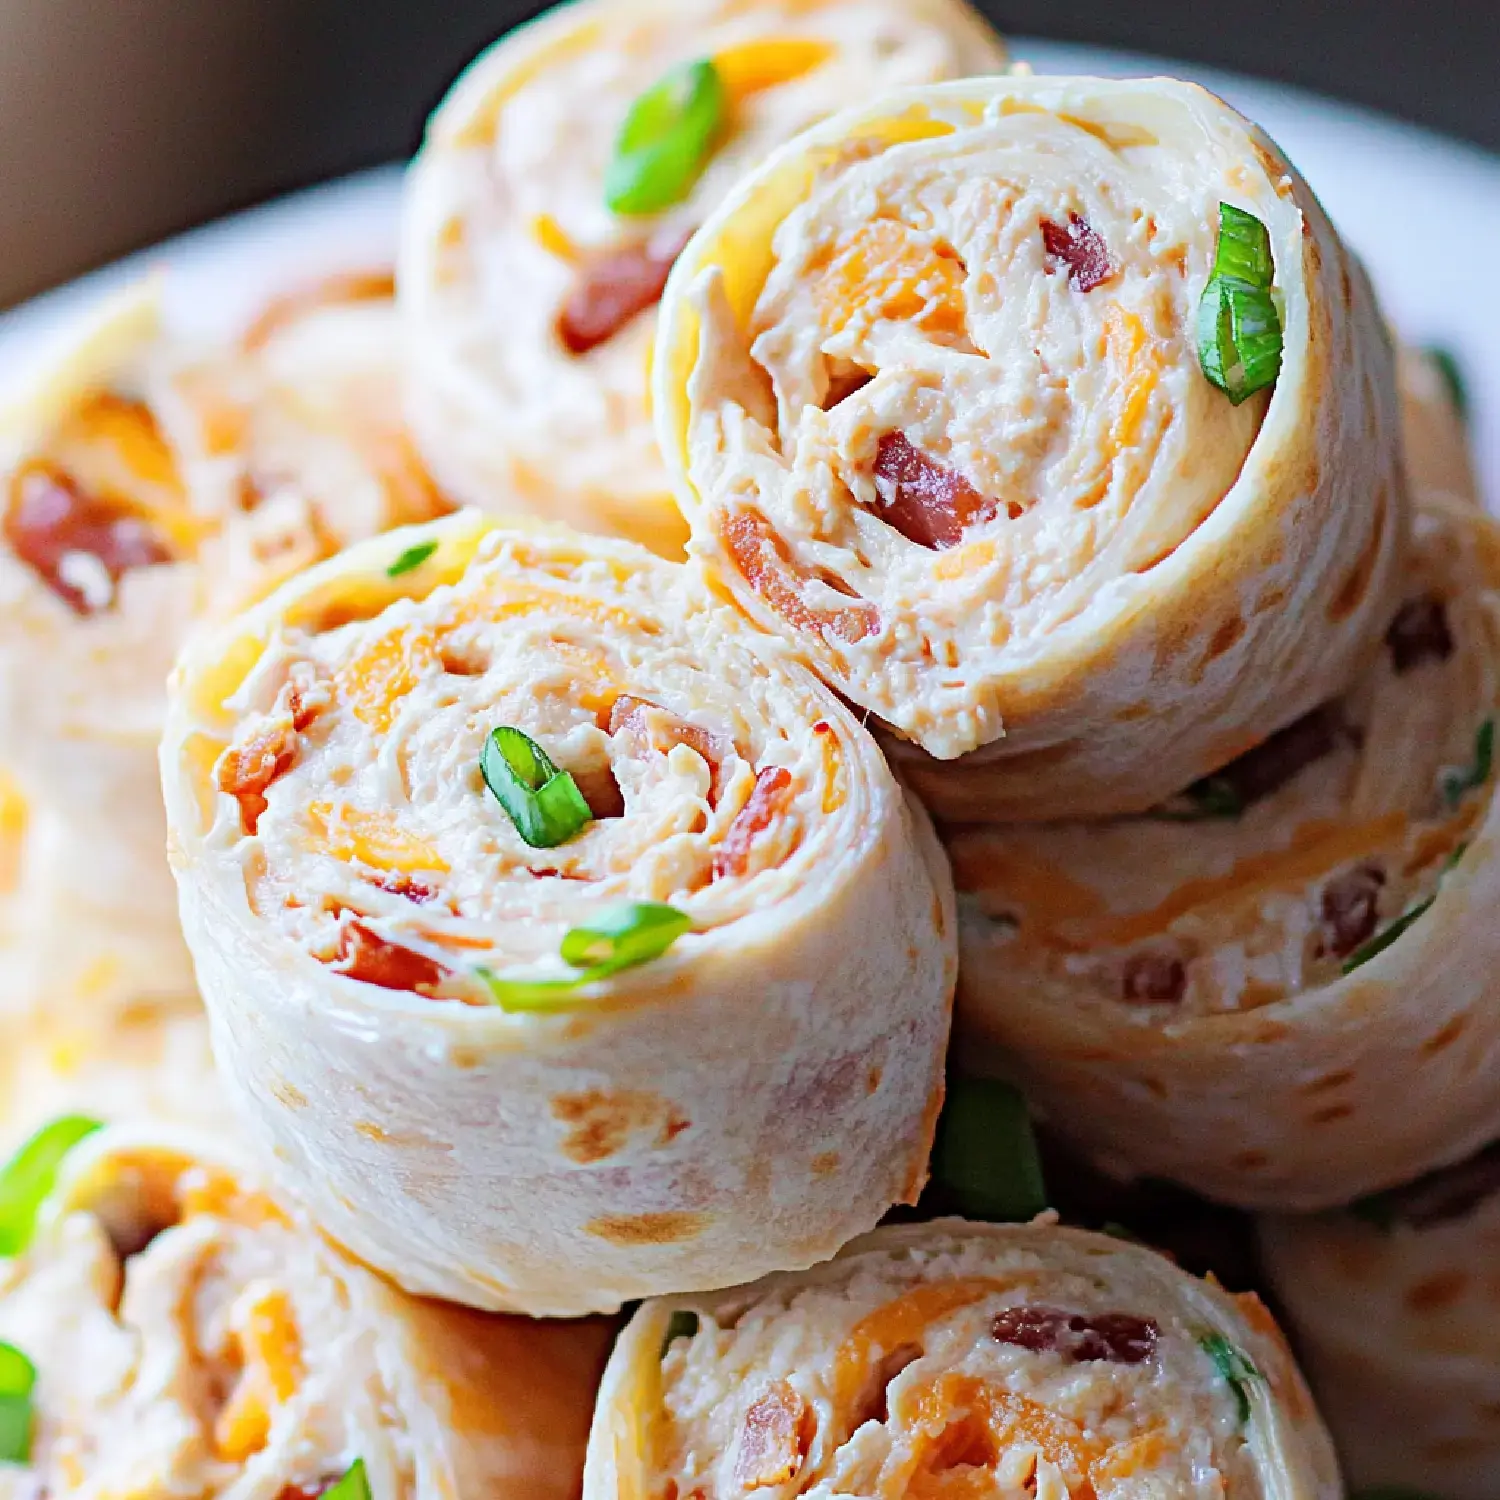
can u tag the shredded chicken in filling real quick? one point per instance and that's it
(1277, 874)
(951, 1375)
(191, 1341)
(353, 799)
(968, 400)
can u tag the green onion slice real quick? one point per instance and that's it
(543, 802)
(1458, 780)
(1453, 377)
(411, 559)
(1383, 940)
(985, 1155)
(666, 141)
(30, 1175)
(1239, 328)
(17, 1378)
(353, 1485)
(683, 1324)
(620, 937)
(1234, 1367)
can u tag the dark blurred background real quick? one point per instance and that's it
(122, 121)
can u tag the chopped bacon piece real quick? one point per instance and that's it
(311, 1491)
(1153, 978)
(928, 504)
(1443, 1196)
(1419, 633)
(762, 559)
(1351, 909)
(366, 956)
(775, 1438)
(404, 885)
(1274, 762)
(1081, 248)
(247, 771)
(79, 545)
(612, 289)
(1118, 1338)
(771, 793)
(655, 728)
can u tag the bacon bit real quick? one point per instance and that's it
(1081, 248)
(1118, 1338)
(403, 885)
(762, 559)
(927, 503)
(52, 522)
(767, 800)
(247, 772)
(652, 727)
(775, 1438)
(1446, 1195)
(368, 957)
(311, 1491)
(612, 288)
(1274, 762)
(1419, 633)
(1351, 909)
(1153, 978)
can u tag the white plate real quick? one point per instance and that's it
(1424, 212)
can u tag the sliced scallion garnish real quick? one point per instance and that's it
(543, 802)
(985, 1155)
(353, 1484)
(30, 1175)
(683, 1324)
(620, 937)
(1235, 1368)
(17, 1378)
(1456, 781)
(1383, 940)
(1453, 377)
(1239, 328)
(666, 140)
(411, 559)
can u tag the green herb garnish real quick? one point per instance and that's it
(353, 1485)
(1383, 940)
(985, 1155)
(411, 559)
(620, 937)
(683, 1324)
(1233, 1366)
(1458, 780)
(29, 1176)
(666, 141)
(1239, 328)
(543, 802)
(1453, 377)
(17, 1378)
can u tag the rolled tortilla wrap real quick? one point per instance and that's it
(960, 1359)
(1397, 1312)
(930, 384)
(1230, 991)
(529, 301)
(145, 484)
(389, 966)
(193, 1338)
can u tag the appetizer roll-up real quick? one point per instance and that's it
(1051, 420)
(1231, 990)
(564, 939)
(557, 184)
(1396, 1307)
(954, 1359)
(166, 1328)
(142, 486)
